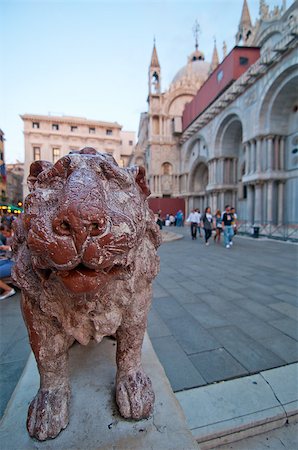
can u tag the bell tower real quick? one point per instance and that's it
(245, 26)
(154, 73)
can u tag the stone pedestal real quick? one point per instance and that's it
(95, 423)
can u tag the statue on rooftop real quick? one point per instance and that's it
(85, 253)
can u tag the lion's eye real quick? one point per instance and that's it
(94, 226)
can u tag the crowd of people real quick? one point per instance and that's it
(176, 220)
(6, 262)
(221, 222)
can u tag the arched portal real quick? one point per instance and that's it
(279, 118)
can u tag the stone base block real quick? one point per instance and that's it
(95, 423)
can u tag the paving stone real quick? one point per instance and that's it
(261, 311)
(289, 298)
(205, 315)
(258, 297)
(183, 296)
(9, 376)
(251, 354)
(225, 293)
(179, 369)
(235, 314)
(156, 326)
(283, 346)
(159, 291)
(168, 308)
(286, 309)
(17, 350)
(287, 326)
(192, 337)
(258, 329)
(192, 286)
(217, 365)
(284, 392)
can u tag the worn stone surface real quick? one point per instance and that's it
(85, 259)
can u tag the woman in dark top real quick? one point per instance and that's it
(207, 221)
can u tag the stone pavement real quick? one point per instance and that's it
(220, 313)
(14, 347)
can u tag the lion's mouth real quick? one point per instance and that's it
(85, 271)
(82, 279)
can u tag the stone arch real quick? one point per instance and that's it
(278, 104)
(197, 148)
(171, 98)
(198, 177)
(228, 141)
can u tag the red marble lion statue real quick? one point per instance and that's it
(85, 252)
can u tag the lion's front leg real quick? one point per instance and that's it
(49, 410)
(134, 393)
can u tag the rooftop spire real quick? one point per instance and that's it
(245, 25)
(215, 59)
(154, 57)
(245, 21)
(196, 31)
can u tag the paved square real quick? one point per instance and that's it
(222, 313)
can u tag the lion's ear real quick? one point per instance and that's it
(35, 169)
(140, 177)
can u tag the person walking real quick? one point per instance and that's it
(227, 219)
(218, 226)
(234, 223)
(194, 219)
(207, 221)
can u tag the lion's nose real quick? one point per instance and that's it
(79, 229)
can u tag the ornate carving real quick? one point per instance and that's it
(85, 259)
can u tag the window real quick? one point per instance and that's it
(109, 132)
(243, 61)
(56, 154)
(36, 153)
(55, 126)
(73, 128)
(121, 163)
(220, 76)
(91, 130)
(130, 142)
(35, 124)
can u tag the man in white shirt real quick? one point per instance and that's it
(194, 218)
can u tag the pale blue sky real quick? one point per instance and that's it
(91, 58)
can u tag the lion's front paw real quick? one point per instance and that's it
(48, 413)
(134, 395)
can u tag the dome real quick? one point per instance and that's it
(196, 69)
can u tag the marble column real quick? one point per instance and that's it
(280, 203)
(235, 162)
(282, 153)
(276, 153)
(246, 157)
(258, 204)
(258, 156)
(270, 153)
(270, 202)
(252, 156)
(250, 204)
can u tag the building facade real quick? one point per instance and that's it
(14, 183)
(51, 137)
(242, 149)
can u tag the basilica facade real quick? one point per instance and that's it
(241, 147)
